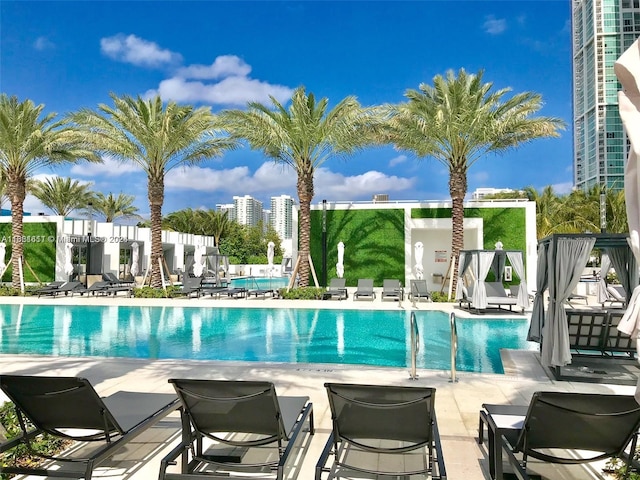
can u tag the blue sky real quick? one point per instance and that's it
(69, 55)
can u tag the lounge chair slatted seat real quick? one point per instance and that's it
(241, 414)
(337, 288)
(392, 288)
(364, 289)
(419, 290)
(69, 407)
(375, 422)
(601, 425)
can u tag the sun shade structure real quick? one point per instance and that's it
(69, 407)
(242, 415)
(374, 422)
(478, 263)
(561, 261)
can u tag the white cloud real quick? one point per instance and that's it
(330, 184)
(137, 51)
(397, 160)
(223, 66)
(229, 91)
(493, 25)
(109, 167)
(43, 43)
(562, 188)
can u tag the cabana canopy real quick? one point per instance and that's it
(480, 262)
(561, 261)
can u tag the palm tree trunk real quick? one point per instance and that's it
(156, 199)
(305, 195)
(16, 188)
(458, 190)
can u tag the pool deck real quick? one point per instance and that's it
(457, 404)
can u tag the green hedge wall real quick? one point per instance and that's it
(504, 224)
(40, 254)
(374, 244)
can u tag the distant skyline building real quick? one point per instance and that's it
(601, 31)
(248, 210)
(281, 217)
(229, 208)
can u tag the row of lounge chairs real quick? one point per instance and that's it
(391, 289)
(223, 420)
(109, 285)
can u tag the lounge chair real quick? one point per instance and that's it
(617, 295)
(419, 290)
(111, 277)
(392, 288)
(599, 425)
(497, 297)
(364, 289)
(231, 418)
(49, 287)
(191, 285)
(337, 288)
(69, 407)
(374, 423)
(67, 288)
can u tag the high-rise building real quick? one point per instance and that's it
(229, 208)
(602, 30)
(248, 210)
(282, 216)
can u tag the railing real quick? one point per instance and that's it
(454, 346)
(415, 346)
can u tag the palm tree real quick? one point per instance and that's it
(457, 121)
(30, 140)
(112, 208)
(157, 138)
(303, 137)
(216, 223)
(185, 220)
(62, 195)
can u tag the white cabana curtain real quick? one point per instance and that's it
(465, 263)
(479, 297)
(515, 259)
(566, 265)
(623, 263)
(605, 266)
(542, 283)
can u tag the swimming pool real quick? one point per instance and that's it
(365, 337)
(272, 283)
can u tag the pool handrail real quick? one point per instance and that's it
(415, 346)
(454, 346)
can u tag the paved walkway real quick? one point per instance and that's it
(457, 404)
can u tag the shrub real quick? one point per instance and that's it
(303, 293)
(149, 292)
(20, 456)
(616, 467)
(440, 297)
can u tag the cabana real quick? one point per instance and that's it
(561, 261)
(477, 264)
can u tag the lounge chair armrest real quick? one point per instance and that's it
(442, 471)
(518, 471)
(324, 456)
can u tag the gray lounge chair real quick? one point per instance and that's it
(392, 288)
(238, 414)
(364, 289)
(337, 288)
(69, 407)
(372, 423)
(191, 286)
(419, 290)
(601, 424)
(67, 288)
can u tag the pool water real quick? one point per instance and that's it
(249, 283)
(363, 337)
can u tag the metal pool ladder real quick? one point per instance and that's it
(415, 346)
(454, 346)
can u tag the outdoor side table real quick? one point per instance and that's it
(500, 420)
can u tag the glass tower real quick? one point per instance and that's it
(602, 30)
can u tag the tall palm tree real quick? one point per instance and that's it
(457, 121)
(185, 220)
(112, 208)
(216, 223)
(62, 195)
(30, 140)
(157, 138)
(303, 137)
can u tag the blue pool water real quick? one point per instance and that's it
(260, 282)
(364, 337)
